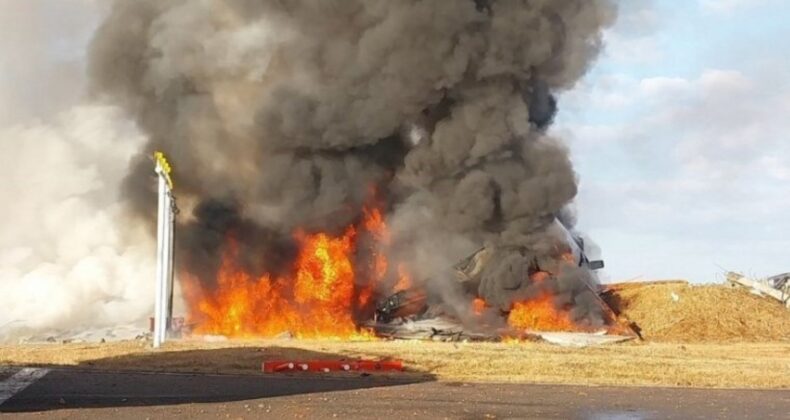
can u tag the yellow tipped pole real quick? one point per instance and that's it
(161, 162)
(164, 248)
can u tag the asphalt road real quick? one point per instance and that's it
(107, 395)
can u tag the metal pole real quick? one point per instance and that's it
(166, 270)
(171, 260)
(160, 260)
(164, 250)
(168, 253)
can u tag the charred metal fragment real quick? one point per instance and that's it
(402, 304)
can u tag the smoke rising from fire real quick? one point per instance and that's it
(70, 257)
(65, 260)
(283, 115)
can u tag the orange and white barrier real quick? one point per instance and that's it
(282, 366)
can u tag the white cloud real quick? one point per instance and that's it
(731, 6)
(701, 160)
(638, 18)
(632, 39)
(625, 49)
(657, 88)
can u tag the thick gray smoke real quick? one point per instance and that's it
(65, 260)
(283, 114)
(70, 260)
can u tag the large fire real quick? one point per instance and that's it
(321, 299)
(332, 285)
(540, 313)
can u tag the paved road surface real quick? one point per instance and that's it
(116, 396)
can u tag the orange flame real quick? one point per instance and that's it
(318, 300)
(404, 279)
(373, 223)
(478, 306)
(540, 313)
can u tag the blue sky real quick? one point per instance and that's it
(679, 132)
(681, 138)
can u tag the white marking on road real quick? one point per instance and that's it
(19, 381)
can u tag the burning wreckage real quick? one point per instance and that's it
(553, 296)
(415, 314)
(335, 159)
(495, 293)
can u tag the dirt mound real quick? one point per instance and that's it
(675, 311)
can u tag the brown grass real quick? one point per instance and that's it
(764, 365)
(701, 314)
(712, 336)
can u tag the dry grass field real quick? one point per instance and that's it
(695, 336)
(745, 365)
(675, 311)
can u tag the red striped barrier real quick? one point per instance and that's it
(280, 366)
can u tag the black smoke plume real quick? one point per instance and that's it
(280, 115)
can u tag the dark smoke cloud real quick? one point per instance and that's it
(506, 280)
(283, 114)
